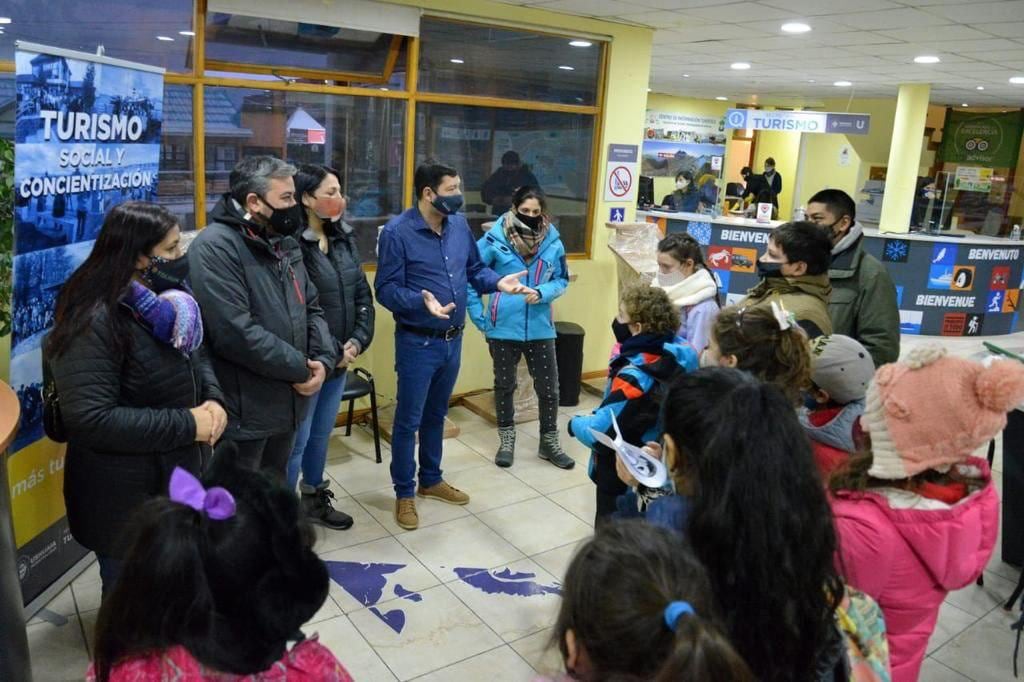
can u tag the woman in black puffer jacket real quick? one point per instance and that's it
(137, 395)
(333, 263)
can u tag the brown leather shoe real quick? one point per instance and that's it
(405, 513)
(445, 493)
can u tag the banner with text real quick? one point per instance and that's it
(991, 140)
(798, 121)
(87, 137)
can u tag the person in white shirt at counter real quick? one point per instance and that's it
(863, 303)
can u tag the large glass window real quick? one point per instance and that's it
(8, 103)
(176, 187)
(361, 137)
(473, 59)
(553, 151)
(159, 34)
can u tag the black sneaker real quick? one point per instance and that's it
(316, 503)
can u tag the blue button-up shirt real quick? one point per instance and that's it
(411, 257)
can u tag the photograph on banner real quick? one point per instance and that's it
(668, 159)
(88, 138)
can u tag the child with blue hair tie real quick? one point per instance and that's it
(658, 622)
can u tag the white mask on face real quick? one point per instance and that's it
(681, 184)
(670, 279)
(706, 360)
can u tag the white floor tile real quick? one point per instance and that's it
(933, 671)
(374, 572)
(978, 601)
(952, 621)
(356, 474)
(515, 601)
(546, 477)
(87, 595)
(460, 544)
(364, 529)
(498, 665)
(540, 652)
(58, 652)
(556, 561)
(349, 647)
(490, 487)
(580, 501)
(424, 636)
(381, 505)
(536, 526)
(984, 651)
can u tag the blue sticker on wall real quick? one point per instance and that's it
(943, 254)
(700, 231)
(910, 321)
(899, 295)
(995, 301)
(896, 251)
(940, 276)
(722, 279)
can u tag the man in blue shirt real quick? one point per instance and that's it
(425, 259)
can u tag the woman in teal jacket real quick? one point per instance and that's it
(524, 238)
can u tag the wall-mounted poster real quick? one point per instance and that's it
(676, 142)
(991, 140)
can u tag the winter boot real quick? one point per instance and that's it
(316, 504)
(507, 446)
(552, 451)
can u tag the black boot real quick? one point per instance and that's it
(316, 504)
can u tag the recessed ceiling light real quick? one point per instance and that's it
(648, 89)
(563, 67)
(795, 27)
(456, 60)
(1017, 80)
(5, 20)
(842, 84)
(686, 75)
(186, 33)
(812, 81)
(739, 66)
(385, 89)
(927, 59)
(580, 43)
(722, 99)
(980, 87)
(964, 104)
(166, 39)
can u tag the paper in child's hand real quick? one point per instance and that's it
(647, 470)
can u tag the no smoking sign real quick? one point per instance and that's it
(620, 181)
(621, 171)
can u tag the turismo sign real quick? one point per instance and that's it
(799, 121)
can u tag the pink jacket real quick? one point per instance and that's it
(909, 559)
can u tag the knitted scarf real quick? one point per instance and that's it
(523, 238)
(697, 288)
(172, 317)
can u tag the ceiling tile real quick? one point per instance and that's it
(663, 19)
(856, 38)
(873, 21)
(934, 33)
(592, 8)
(980, 12)
(1007, 29)
(810, 8)
(675, 4)
(740, 11)
(984, 45)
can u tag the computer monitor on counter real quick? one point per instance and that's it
(645, 192)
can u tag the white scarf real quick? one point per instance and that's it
(852, 235)
(697, 288)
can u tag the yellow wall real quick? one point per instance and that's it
(785, 149)
(591, 300)
(821, 169)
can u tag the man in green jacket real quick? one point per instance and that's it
(863, 304)
(794, 273)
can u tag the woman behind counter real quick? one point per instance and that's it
(137, 394)
(686, 198)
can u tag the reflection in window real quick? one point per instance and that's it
(294, 46)
(8, 100)
(176, 188)
(158, 34)
(471, 59)
(553, 148)
(362, 137)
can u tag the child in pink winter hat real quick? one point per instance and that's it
(917, 515)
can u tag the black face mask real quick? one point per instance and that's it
(621, 331)
(286, 222)
(531, 221)
(164, 273)
(766, 270)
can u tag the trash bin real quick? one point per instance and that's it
(569, 356)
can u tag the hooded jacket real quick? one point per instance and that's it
(908, 559)
(511, 318)
(806, 297)
(344, 293)
(262, 320)
(863, 302)
(645, 362)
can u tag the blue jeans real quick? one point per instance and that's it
(427, 369)
(310, 451)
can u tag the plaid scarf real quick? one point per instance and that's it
(522, 237)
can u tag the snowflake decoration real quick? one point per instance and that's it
(701, 232)
(896, 250)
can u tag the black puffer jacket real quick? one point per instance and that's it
(128, 425)
(262, 319)
(344, 292)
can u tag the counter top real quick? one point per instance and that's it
(961, 237)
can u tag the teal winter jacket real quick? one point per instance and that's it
(509, 317)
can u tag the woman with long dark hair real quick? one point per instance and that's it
(758, 520)
(332, 261)
(137, 395)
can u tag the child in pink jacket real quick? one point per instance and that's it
(917, 516)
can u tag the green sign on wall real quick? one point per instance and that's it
(991, 140)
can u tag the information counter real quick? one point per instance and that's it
(945, 285)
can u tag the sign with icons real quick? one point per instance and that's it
(620, 176)
(617, 215)
(798, 121)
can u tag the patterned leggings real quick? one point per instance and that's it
(540, 360)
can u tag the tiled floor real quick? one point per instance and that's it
(521, 522)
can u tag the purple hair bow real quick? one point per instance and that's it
(217, 503)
